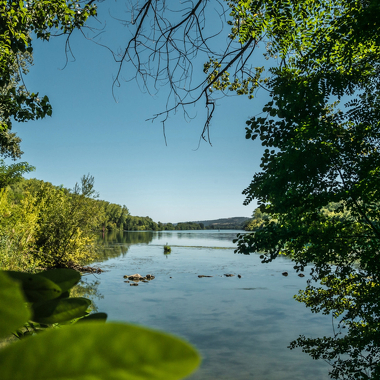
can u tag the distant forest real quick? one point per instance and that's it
(139, 223)
(235, 223)
(112, 216)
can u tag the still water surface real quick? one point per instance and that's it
(241, 326)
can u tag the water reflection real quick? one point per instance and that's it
(199, 238)
(224, 235)
(123, 237)
(88, 288)
(116, 243)
(242, 326)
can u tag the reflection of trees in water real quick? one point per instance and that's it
(209, 235)
(116, 243)
(105, 252)
(160, 235)
(126, 237)
(87, 288)
(139, 237)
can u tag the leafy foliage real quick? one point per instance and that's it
(46, 226)
(91, 349)
(10, 174)
(140, 223)
(13, 313)
(68, 224)
(320, 169)
(258, 220)
(115, 216)
(20, 20)
(18, 229)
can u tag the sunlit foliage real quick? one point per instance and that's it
(48, 226)
(18, 229)
(68, 224)
(10, 174)
(257, 221)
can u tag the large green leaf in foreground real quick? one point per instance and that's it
(94, 351)
(65, 278)
(35, 287)
(60, 310)
(13, 312)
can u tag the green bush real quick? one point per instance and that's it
(18, 229)
(68, 222)
(47, 226)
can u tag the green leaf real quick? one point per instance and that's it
(13, 311)
(64, 278)
(65, 294)
(36, 288)
(94, 317)
(98, 351)
(60, 310)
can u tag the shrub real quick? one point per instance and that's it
(19, 226)
(68, 224)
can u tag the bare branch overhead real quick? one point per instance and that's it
(168, 38)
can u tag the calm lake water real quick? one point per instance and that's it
(241, 326)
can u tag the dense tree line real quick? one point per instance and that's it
(139, 223)
(47, 226)
(52, 226)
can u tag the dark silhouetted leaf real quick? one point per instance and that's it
(13, 311)
(36, 288)
(60, 310)
(63, 277)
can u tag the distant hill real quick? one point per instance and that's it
(236, 223)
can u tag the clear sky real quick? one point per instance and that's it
(91, 133)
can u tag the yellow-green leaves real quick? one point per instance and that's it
(68, 225)
(221, 80)
(19, 223)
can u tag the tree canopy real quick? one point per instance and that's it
(321, 130)
(20, 22)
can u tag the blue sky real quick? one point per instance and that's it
(91, 133)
